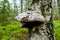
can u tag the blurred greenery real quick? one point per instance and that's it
(12, 31)
(57, 29)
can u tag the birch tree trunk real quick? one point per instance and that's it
(38, 19)
(21, 6)
(46, 30)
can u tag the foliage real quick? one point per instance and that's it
(12, 31)
(57, 29)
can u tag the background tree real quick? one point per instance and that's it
(55, 8)
(5, 13)
(21, 6)
(15, 8)
(58, 1)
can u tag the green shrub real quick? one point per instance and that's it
(12, 31)
(57, 29)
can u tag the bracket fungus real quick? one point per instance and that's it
(30, 19)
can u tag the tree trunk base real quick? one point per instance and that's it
(41, 34)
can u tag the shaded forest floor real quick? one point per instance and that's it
(13, 31)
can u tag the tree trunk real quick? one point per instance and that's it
(55, 8)
(21, 6)
(38, 19)
(40, 34)
(58, 7)
(46, 30)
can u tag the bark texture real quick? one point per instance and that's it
(46, 30)
(38, 19)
